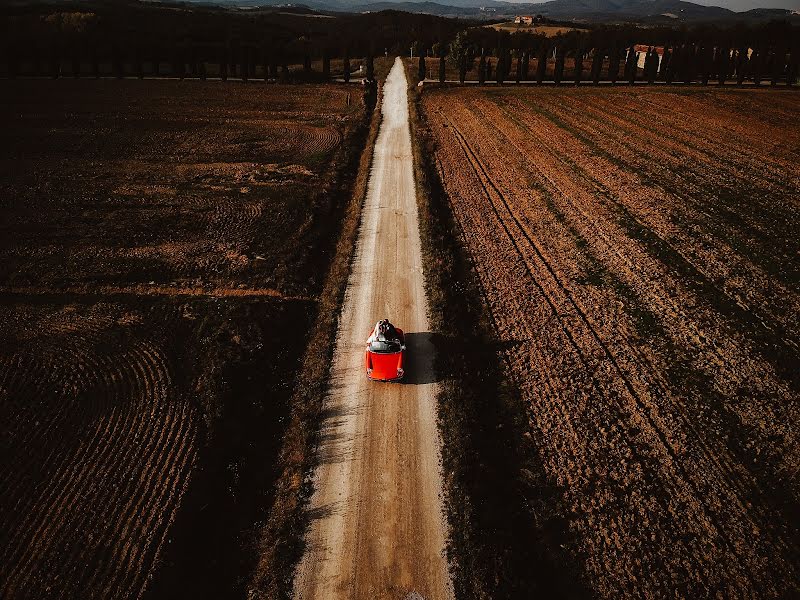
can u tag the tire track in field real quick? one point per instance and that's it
(700, 282)
(746, 229)
(466, 226)
(586, 322)
(745, 485)
(570, 447)
(112, 473)
(588, 174)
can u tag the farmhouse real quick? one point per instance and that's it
(523, 20)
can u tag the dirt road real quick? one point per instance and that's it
(377, 529)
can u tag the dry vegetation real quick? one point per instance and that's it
(637, 255)
(164, 246)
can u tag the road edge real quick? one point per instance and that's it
(281, 539)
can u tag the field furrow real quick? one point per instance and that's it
(164, 247)
(662, 413)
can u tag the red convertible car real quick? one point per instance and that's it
(383, 358)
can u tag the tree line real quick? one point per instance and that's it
(126, 39)
(603, 55)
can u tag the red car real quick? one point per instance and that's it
(383, 359)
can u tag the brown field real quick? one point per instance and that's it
(545, 30)
(163, 246)
(637, 251)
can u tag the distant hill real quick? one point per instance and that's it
(646, 11)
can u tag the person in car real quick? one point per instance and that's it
(383, 330)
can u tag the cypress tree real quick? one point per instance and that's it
(95, 60)
(138, 62)
(421, 70)
(673, 66)
(541, 65)
(776, 65)
(755, 66)
(631, 65)
(346, 67)
(245, 68)
(223, 63)
(597, 65)
(559, 69)
(201, 70)
(687, 64)
(117, 62)
(723, 65)
(701, 65)
(233, 57)
(482, 68)
(740, 64)
(519, 65)
(578, 65)
(371, 94)
(680, 56)
(36, 60)
(488, 67)
(665, 67)
(526, 64)
(326, 64)
(181, 64)
(307, 63)
(655, 66)
(174, 60)
(613, 65)
(462, 68)
(273, 66)
(285, 72)
(652, 68)
(154, 61)
(370, 67)
(191, 59)
(11, 60)
(55, 61)
(500, 68)
(441, 68)
(693, 63)
(791, 70)
(75, 62)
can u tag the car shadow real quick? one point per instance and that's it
(420, 359)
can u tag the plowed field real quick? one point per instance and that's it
(162, 245)
(638, 254)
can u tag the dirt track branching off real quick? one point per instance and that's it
(164, 250)
(635, 253)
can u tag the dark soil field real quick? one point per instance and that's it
(637, 255)
(162, 248)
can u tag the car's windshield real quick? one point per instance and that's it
(384, 347)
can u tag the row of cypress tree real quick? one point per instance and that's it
(179, 61)
(684, 63)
